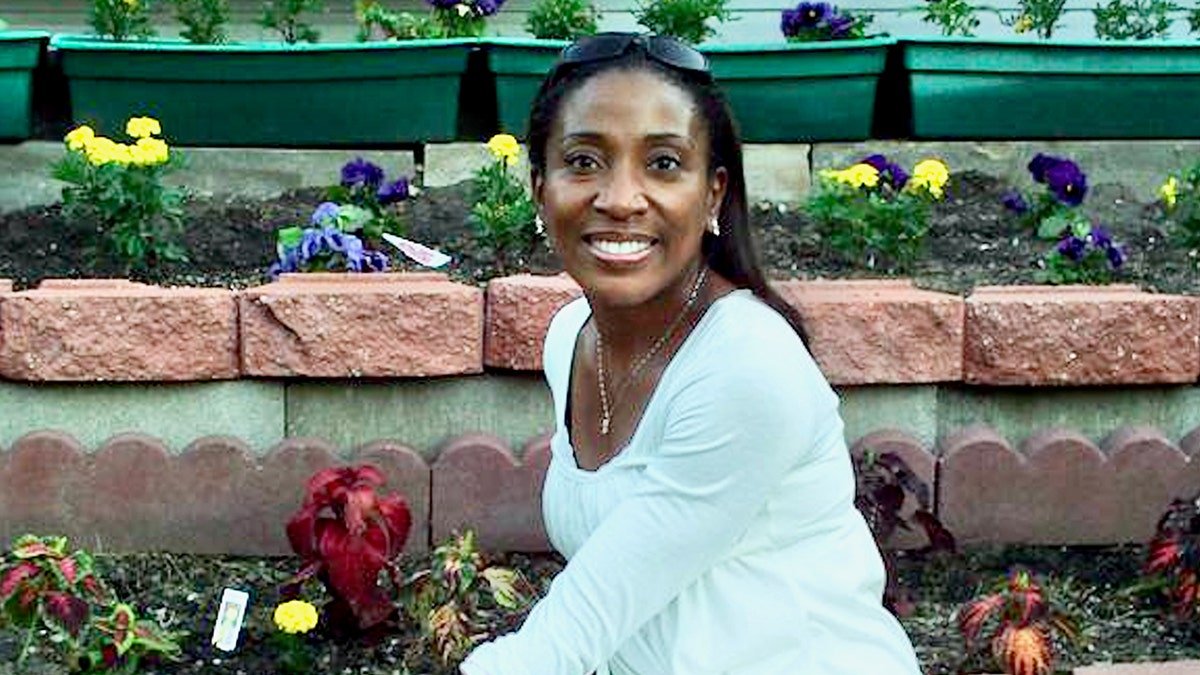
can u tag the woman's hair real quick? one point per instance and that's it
(731, 254)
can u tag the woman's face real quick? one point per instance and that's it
(626, 194)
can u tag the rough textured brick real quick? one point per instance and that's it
(276, 490)
(37, 475)
(123, 501)
(519, 310)
(1059, 488)
(407, 474)
(880, 331)
(479, 484)
(1047, 335)
(362, 325)
(116, 330)
(919, 460)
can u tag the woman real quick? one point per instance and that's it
(699, 483)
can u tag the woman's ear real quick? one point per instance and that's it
(716, 190)
(536, 184)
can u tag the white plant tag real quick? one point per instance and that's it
(418, 252)
(229, 619)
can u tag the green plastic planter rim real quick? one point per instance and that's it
(93, 43)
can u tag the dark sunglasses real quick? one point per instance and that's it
(603, 46)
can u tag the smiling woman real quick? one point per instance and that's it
(699, 482)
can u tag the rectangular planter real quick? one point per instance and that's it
(518, 66)
(20, 52)
(1005, 89)
(801, 92)
(267, 94)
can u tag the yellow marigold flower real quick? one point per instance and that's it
(122, 154)
(79, 137)
(152, 151)
(100, 150)
(142, 127)
(505, 147)
(930, 175)
(1169, 191)
(295, 616)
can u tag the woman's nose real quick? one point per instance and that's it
(622, 193)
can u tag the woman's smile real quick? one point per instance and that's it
(620, 249)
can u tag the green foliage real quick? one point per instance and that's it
(131, 218)
(503, 213)
(47, 591)
(374, 19)
(683, 19)
(1039, 16)
(868, 228)
(1081, 257)
(453, 601)
(1134, 19)
(203, 20)
(283, 17)
(1181, 207)
(954, 17)
(122, 19)
(562, 19)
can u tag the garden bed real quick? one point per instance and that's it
(182, 592)
(973, 241)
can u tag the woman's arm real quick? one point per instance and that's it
(733, 432)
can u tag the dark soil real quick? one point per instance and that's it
(972, 241)
(182, 592)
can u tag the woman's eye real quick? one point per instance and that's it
(581, 162)
(664, 163)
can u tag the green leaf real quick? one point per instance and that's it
(288, 237)
(1053, 226)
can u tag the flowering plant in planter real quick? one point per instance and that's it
(203, 21)
(122, 19)
(562, 19)
(117, 190)
(820, 21)
(1021, 618)
(283, 17)
(955, 17)
(1085, 255)
(454, 601)
(1173, 561)
(1180, 198)
(503, 213)
(874, 212)
(1136, 20)
(1039, 16)
(447, 19)
(347, 536)
(687, 20)
(43, 586)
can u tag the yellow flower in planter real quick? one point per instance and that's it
(100, 150)
(505, 147)
(150, 152)
(1169, 191)
(78, 138)
(859, 175)
(142, 127)
(930, 175)
(295, 616)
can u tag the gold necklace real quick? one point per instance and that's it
(640, 363)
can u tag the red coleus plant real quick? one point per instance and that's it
(1174, 555)
(1021, 621)
(41, 582)
(347, 535)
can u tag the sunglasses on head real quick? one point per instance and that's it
(603, 46)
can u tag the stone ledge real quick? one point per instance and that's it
(519, 310)
(116, 330)
(362, 325)
(880, 331)
(1083, 335)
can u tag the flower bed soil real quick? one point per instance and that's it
(182, 592)
(973, 241)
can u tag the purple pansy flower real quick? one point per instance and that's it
(806, 16)
(391, 193)
(325, 211)
(1100, 237)
(1015, 202)
(311, 244)
(1067, 182)
(889, 170)
(359, 171)
(1072, 247)
(1116, 257)
(839, 26)
(376, 261)
(1039, 164)
(487, 7)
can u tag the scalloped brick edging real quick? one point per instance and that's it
(1080, 335)
(362, 325)
(117, 330)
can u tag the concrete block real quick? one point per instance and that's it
(777, 172)
(450, 163)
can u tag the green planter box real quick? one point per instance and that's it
(1004, 89)
(20, 52)
(260, 94)
(801, 92)
(518, 66)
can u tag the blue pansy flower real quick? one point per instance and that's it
(360, 172)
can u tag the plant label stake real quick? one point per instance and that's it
(229, 619)
(422, 254)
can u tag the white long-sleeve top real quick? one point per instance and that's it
(723, 538)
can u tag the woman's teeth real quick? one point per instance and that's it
(620, 247)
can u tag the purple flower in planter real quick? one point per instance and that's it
(311, 243)
(1067, 182)
(325, 211)
(1115, 257)
(289, 262)
(359, 171)
(1100, 237)
(487, 7)
(354, 253)
(1039, 164)
(806, 16)
(1072, 247)
(839, 26)
(393, 192)
(889, 170)
(376, 261)
(1013, 201)
(334, 239)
